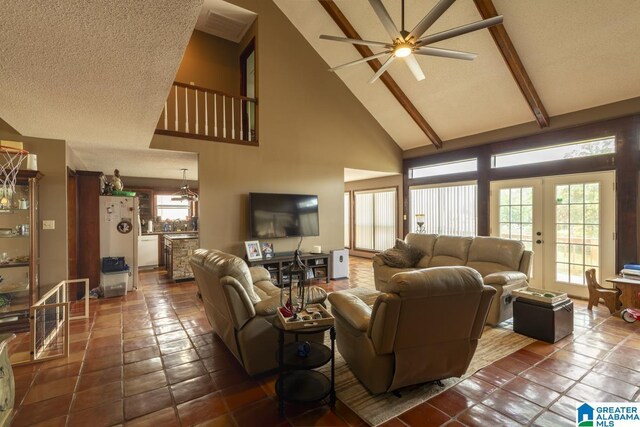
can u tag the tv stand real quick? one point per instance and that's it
(319, 264)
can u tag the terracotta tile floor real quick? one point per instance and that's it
(150, 359)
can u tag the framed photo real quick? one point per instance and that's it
(253, 250)
(267, 249)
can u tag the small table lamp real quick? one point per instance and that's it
(420, 224)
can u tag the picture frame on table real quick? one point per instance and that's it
(253, 250)
(267, 249)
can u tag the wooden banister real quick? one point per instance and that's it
(201, 113)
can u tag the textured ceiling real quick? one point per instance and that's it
(579, 54)
(96, 74)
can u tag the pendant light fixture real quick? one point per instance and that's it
(184, 193)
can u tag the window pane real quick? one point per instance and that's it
(576, 214)
(364, 220)
(450, 210)
(577, 244)
(557, 152)
(562, 194)
(470, 165)
(375, 219)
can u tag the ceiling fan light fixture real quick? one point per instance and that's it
(403, 50)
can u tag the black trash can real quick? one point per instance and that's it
(542, 321)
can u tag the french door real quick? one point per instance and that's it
(567, 220)
(516, 213)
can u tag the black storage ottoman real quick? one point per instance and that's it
(545, 322)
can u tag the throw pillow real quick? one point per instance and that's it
(402, 255)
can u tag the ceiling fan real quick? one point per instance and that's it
(405, 44)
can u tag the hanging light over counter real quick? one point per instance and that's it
(184, 193)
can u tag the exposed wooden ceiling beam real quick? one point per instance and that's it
(510, 55)
(338, 17)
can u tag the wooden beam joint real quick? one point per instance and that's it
(343, 23)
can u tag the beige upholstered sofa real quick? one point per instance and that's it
(503, 264)
(240, 303)
(424, 327)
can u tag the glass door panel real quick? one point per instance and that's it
(580, 214)
(516, 214)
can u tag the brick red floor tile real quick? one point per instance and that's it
(451, 402)
(159, 338)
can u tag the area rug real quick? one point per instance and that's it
(495, 344)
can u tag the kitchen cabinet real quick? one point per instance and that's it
(145, 204)
(19, 255)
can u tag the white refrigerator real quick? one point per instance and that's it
(119, 230)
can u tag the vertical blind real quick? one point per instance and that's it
(375, 219)
(347, 219)
(450, 209)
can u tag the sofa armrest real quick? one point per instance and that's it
(268, 307)
(352, 309)
(504, 278)
(240, 306)
(377, 261)
(258, 274)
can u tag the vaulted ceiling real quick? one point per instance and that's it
(578, 54)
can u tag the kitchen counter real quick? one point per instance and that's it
(181, 236)
(177, 250)
(171, 232)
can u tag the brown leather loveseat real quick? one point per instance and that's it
(503, 264)
(240, 303)
(425, 327)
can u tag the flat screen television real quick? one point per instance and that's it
(283, 215)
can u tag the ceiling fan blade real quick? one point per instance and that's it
(445, 53)
(354, 41)
(412, 62)
(382, 69)
(386, 20)
(361, 60)
(454, 32)
(430, 18)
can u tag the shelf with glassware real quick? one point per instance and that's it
(18, 252)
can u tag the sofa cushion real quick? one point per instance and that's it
(223, 264)
(490, 255)
(450, 251)
(425, 243)
(402, 255)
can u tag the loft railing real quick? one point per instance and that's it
(196, 112)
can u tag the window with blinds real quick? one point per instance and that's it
(347, 219)
(444, 209)
(375, 219)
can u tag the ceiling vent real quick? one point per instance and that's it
(225, 27)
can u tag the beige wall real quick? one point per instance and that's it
(52, 206)
(310, 128)
(211, 62)
(394, 181)
(6, 128)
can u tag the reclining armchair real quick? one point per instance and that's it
(425, 327)
(240, 303)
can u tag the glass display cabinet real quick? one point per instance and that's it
(18, 251)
